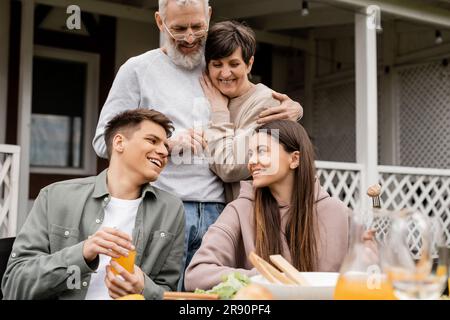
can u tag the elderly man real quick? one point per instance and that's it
(167, 78)
(76, 227)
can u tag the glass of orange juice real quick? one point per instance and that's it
(126, 262)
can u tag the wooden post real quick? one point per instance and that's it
(25, 95)
(366, 99)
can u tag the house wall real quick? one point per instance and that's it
(56, 21)
(110, 39)
(134, 38)
(334, 99)
(333, 111)
(415, 37)
(280, 68)
(4, 54)
(51, 33)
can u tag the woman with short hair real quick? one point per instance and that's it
(236, 103)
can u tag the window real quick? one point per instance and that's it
(64, 111)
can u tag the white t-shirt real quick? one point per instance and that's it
(120, 214)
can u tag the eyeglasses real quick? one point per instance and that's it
(183, 34)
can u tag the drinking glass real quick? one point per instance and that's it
(414, 257)
(127, 262)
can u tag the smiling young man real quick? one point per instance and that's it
(64, 249)
(168, 77)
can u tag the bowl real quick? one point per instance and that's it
(321, 287)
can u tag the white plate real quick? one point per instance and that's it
(321, 287)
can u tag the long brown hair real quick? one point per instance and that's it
(301, 224)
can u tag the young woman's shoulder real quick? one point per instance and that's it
(238, 209)
(241, 209)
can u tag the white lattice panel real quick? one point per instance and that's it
(429, 194)
(334, 123)
(424, 190)
(424, 117)
(9, 177)
(344, 184)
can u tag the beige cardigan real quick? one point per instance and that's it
(228, 134)
(228, 242)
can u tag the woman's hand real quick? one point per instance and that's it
(287, 110)
(216, 99)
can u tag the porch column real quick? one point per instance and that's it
(366, 98)
(25, 94)
(5, 11)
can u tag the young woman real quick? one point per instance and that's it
(236, 103)
(283, 211)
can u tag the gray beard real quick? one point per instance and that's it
(185, 61)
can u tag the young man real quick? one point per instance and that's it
(168, 77)
(65, 247)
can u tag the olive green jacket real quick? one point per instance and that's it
(47, 258)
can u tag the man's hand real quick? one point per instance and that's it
(216, 99)
(287, 110)
(193, 139)
(199, 139)
(180, 142)
(108, 241)
(128, 283)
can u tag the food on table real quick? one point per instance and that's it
(229, 286)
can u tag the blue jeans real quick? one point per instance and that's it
(199, 216)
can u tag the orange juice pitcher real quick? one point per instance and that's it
(361, 276)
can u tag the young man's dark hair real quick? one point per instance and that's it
(225, 37)
(128, 122)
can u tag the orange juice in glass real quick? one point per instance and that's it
(126, 262)
(358, 286)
